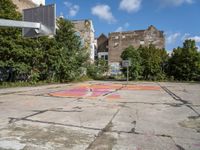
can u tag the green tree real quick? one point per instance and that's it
(11, 52)
(184, 63)
(8, 11)
(98, 69)
(153, 61)
(72, 57)
(133, 55)
(59, 58)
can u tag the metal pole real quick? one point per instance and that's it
(127, 74)
(19, 24)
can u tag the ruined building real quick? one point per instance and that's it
(25, 4)
(118, 41)
(85, 30)
(102, 47)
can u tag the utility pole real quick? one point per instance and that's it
(126, 64)
(127, 74)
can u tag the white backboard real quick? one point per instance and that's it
(46, 15)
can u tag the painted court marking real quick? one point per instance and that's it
(98, 90)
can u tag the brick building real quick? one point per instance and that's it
(118, 41)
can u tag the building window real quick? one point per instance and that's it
(116, 44)
(106, 57)
(116, 37)
(141, 42)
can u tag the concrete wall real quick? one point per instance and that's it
(118, 41)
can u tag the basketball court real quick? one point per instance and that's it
(101, 115)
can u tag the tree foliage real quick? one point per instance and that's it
(98, 69)
(60, 58)
(153, 61)
(63, 58)
(184, 63)
(146, 62)
(133, 55)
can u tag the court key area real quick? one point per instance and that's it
(100, 115)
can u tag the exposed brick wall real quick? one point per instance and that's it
(118, 41)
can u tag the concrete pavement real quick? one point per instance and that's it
(101, 116)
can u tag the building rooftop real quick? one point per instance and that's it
(132, 31)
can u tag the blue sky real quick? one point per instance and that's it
(179, 19)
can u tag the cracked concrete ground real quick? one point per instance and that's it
(138, 116)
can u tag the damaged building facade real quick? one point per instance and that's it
(119, 41)
(85, 30)
(102, 47)
(25, 4)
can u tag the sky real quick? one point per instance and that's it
(179, 19)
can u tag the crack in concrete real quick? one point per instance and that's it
(174, 96)
(12, 120)
(105, 129)
(177, 98)
(61, 124)
(111, 92)
(169, 104)
(66, 110)
(178, 146)
(193, 110)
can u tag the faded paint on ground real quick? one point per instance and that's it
(98, 90)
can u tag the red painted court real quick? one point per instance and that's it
(108, 91)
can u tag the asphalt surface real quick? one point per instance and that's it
(101, 116)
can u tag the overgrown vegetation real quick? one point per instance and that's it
(98, 69)
(184, 63)
(57, 59)
(150, 63)
(62, 58)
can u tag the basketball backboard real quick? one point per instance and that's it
(45, 15)
(126, 63)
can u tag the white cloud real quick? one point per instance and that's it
(122, 28)
(196, 38)
(175, 2)
(130, 5)
(73, 9)
(119, 29)
(198, 47)
(185, 36)
(126, 25)
(67, 4)
(103, 12)
(172, 38)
